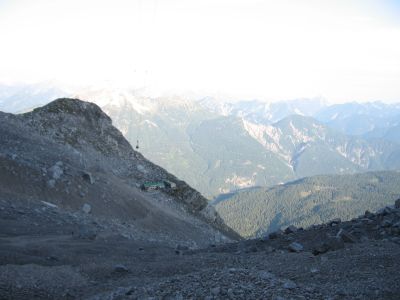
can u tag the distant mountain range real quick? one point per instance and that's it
(220, 146)
(19, 98)
(264, 112)
(308, 201)
(360, 118)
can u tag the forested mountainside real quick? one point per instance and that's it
(308, 201)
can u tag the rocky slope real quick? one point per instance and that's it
(68, 153)
(44, 255)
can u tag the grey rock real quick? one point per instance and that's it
(265, 275)
(291, 229)
(396, 225)
(346, 236)
(366, 221)
(330, 244)
(51, 183)
(182, 248)
(397, 204)
(386, 223)
(368, 214)
(215, 291)
(56, 171)
(385, 211)
(269, 249)
(275, 234)
(296, 247)
(120, 269)
(230, 293)
(334, 222)
(289, 284)
(86, 233)
(88, 177)
(86, 208)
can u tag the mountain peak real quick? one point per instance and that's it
(76, 107)
(298, 121)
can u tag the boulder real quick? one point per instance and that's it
(385, 211)
(215, 291)
(296, 247)
(56, 171)
(120, 269)
(386, 223)
(368, 214)
(88, 177)
(275, 234)
(334, 222)
(346, 236)
(330, 244)
(397, 204)
(289, 284)
(291, 229)
(86, 233)
(86, 208)
(51, 183)
(180, 247)
(396, 225)
(265, 275)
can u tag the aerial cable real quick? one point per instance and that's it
(146, 71)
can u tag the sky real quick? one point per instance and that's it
(342, 50)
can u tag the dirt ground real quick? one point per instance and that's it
(47, 253)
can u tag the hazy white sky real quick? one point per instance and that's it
(339, 49)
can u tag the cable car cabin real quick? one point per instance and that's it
(157, 185)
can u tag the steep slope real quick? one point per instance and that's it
(391, 132)
(235, 160)
(308, 201)
(311, 148)
(77, 159)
